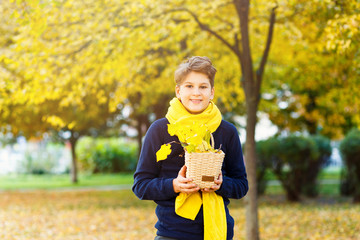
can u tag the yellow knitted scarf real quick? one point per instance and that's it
(188, 205)
(177, 113)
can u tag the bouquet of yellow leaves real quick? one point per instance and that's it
(194, 138)
(203, 162)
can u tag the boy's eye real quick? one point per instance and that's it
(203, 87)
(188, 86)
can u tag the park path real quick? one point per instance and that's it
(128, 187)
(75, 189)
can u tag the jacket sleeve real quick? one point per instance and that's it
(235, 184)
(147, 183)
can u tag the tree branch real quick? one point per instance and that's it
(226, 22)
(206, 28)
(85, 45)
(261, 68)
(242, 9)
(238, 50)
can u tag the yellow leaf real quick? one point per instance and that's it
(163, 152)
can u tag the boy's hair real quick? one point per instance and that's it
(195, 64)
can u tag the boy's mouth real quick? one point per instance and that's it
(196, 101)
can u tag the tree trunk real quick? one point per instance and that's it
(292, 193)
(252, 225)
(73, 172)
(142, 125)
(356, 198)
(251, 90)
(140, 134)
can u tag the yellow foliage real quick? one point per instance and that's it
(70, 55)
(55, 121)
(90, 57)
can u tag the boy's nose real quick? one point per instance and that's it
(196, 91)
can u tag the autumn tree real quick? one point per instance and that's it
(64, 68)
(71, 68)
(316, 77)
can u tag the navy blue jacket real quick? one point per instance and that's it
(153, 180)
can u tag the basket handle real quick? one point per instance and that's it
(212, 141)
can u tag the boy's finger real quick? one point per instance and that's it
(182, 171)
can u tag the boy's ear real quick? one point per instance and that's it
(177, 91)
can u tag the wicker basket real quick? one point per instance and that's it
(204, 167)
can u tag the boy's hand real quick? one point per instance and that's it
(183, 184)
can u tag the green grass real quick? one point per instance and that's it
(329, 188)
(324, 190)
(25, 181)
(331, 173)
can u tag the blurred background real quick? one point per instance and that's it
(81, 82)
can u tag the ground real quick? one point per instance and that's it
(118, 214)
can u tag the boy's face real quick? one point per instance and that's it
(195, 92)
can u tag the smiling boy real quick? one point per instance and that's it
(163, 181)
